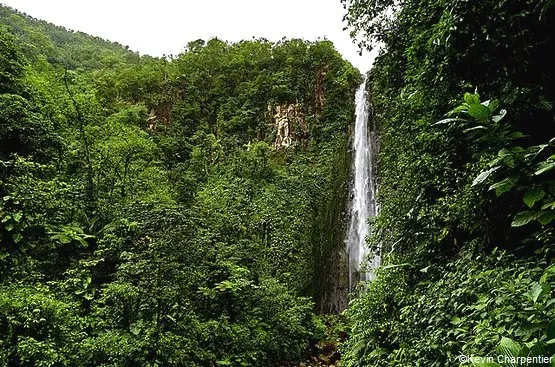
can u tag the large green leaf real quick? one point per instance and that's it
(479, 112)
(448, 120)
(472, 98)
(503, 186)
(492, 105)
(546, 217)
(484, 175)
(535, 292)
(479, 127)
(510, 348)
(533, 195)
(544, 167)
(524, 218)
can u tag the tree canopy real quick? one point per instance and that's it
(148, 216)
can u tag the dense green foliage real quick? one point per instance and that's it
(466, 223)
(151, 216)
(146, 216)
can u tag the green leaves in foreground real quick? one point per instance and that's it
(509, 353)
(481, 306)
(513, 168)
(71, 233)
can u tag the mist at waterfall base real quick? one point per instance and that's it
(362, 206)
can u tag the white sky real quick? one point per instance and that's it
(165, 26)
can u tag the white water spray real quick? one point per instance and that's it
(363, 195)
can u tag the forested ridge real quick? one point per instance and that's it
(153, 210)
(190, 210)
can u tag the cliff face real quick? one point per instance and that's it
(289, 124)
(289, 121)
(331, 260)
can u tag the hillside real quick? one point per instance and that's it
(165, 212)
(72, 49)
(264, 204)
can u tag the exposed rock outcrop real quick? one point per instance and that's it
(290, 125)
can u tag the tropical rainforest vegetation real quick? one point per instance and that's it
(153, 212)
(147, 217)
(462, 94)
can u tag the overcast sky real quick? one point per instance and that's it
(165, 26)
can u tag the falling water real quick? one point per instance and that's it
(363, 195)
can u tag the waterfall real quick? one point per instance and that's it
(363, 195)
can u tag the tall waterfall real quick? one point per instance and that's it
(363, 195)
